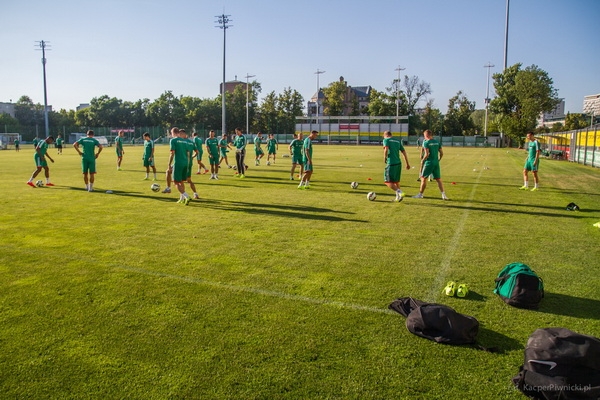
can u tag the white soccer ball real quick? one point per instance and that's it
(155, 187)
(268, 162)
(235, 167)
(371, 196)
(354, 185)
(39, 183)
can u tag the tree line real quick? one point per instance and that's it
(521, 95)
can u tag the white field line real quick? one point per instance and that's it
(440, 280)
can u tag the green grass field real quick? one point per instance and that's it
(263, 291)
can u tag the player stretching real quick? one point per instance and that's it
(148, 156)
(393, 168)
(88, 158)
(296, 153)
(119, 148)
(41, 152)
(532, 163)
(258, 151)
(308, 163)
(430, 160)
(272, 147)
(212, 148)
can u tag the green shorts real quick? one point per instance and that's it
(392, 173)
(530, 165)
(297, 159)
(119, 153)
(259, 152)
(199, 156)
(39, 161)
(180, 172)
(224, 152)
(431, 169)
(213, 158)
(148, 162)
(308, 166)
(88, 166)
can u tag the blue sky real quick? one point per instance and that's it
(135, 49)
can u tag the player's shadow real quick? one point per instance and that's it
(572, 306)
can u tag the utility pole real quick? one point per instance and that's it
(399, 69)
(42, 46)
(506, 35)
(248, 76)
(318, 90)
(223, 21)
(487, 97)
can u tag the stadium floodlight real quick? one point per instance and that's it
(318, 90)
(43, 45)
(506, 35)
(487, 97)
(248, 76)
(399, 69)
(223, 21)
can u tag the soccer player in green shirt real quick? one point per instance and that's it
(307, 150)
(199, 145)
(192, 153)
(88, 158)
(179, 164)
(393, 165)
(17, 142)
(223, 147)
(148, 155)
(240, 152)
(41, 152)
(258, 151)
(532, 163)
(212, 148)
(430, 159)
(272, 147)
(296, 153)
(119, 148)
(59, 144)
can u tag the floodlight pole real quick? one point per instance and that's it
(399, 69)
(248, 76)
(506, 35)
(223, 20)
(43, 45)
(487, 97)
(318, 89)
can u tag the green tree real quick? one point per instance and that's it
(381, 104)
(106, 111)
(521, 95)
(267, 114)
(167, 110)
(289, 106)
(458, 118)
(414, 91)
(7, 120)
(431, 118)
(575, 121)
(336, 98)
(28, 113)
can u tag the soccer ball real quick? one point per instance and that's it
(155, 187)
(371, 196)
(39, 183)
(354, 185)
(235, 167)
(268, 162)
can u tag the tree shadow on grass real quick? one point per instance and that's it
(571, 306)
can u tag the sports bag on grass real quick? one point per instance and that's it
(560, 364)
(519, 286)
(436, 322)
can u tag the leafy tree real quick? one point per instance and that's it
(137, 113)
(522, 94)
(267, 114)
(289, 106)
(167, 110)
(28, 113)
(106, 111)
(336, 98)
(557, 127)
(381, 104)
(414, 90)
(431, 118)
(458, 118)
(575, 121)
(6, 119)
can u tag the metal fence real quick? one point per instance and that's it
(581, 146)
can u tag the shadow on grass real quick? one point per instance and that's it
(577, 307)
(501, 343)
